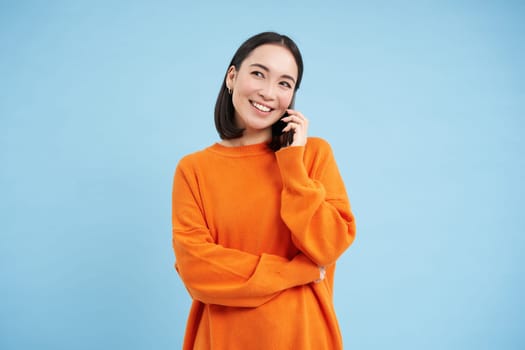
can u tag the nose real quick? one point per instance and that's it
(267, 92)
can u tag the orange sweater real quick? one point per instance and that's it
(250, 229)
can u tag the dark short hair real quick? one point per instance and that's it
(224, 110)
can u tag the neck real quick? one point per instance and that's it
(248, 139)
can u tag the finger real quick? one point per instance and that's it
(291, 126)
(295, 119)
(293, 112)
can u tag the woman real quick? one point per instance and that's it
(260, 218)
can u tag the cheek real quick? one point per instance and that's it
(246, 85)
(285, 100)
(240, 90)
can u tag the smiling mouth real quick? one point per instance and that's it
(261, 107)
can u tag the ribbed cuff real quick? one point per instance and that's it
(291, 166)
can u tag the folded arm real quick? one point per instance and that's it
(314, 203)
(215, 274)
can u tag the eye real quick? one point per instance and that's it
(258, 74)
(286, 84)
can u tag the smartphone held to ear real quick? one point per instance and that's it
(277, 130)
(278, 126)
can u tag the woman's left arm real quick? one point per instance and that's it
(314, 203)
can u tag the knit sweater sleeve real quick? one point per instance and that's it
(314, 203)
(214, 274)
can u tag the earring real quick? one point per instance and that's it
(229, 91)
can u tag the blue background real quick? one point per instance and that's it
(422, 101)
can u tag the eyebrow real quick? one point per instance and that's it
(286, 76)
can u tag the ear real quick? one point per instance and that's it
(230, 77)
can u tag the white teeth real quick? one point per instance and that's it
(261, 107)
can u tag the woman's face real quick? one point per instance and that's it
(263, 87)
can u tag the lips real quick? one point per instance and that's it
(261, 107)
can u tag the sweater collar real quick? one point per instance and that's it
(241, 151)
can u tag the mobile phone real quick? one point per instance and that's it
(278, 126)
(286, 138)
